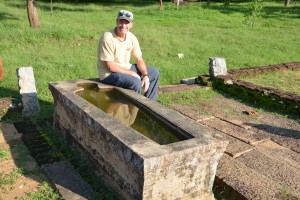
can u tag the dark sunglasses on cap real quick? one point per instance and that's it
(125, 14)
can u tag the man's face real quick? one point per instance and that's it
(123, 26)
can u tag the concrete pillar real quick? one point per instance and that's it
(28, 91)
(217, 66)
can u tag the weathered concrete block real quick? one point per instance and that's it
(28, 91)
(67, 181)
(188, 81)
(134, 165)
(217, 66)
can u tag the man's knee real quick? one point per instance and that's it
(136, 85)
(153, 72)
(156, 72)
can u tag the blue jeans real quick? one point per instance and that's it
(130, 82)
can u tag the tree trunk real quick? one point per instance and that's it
(160, 5)
(286, 2)
(208, 2)
(32, 14)
(226, 3)
(51, 7)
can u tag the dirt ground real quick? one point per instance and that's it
(19, 173)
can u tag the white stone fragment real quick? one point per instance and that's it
(28, 91)
(217, 66)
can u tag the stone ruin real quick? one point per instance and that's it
(135, 166)
(231, 83)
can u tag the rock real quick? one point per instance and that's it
(217, 66)
(28, 91)
(67, 181)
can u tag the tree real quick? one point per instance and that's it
(32, 14)
(160, 5)
(286, 2)
(226, 2)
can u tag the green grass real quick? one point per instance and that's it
(189, 98)
(8, 179)
(45, 192)
(65, 47)
(4, 154)
(287, 81)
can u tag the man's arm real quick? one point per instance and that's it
(143, 69)
(113, 67)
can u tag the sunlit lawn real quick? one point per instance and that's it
(286, 81)
(65, 47)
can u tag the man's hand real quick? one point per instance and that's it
(132, 73)
(145, 83)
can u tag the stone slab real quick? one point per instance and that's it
(241, 178)
(67, 181)
(236, 122)
(28, 91)
(296, 149)
(281, 172)
(242, 134)
(236, 147)
(8, 133)
(287, 134)
(280, 153)
(188, 81)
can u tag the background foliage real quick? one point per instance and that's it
(65, 47)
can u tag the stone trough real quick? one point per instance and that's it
(135, 166)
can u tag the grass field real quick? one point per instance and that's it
(65, 47)
(287, 81)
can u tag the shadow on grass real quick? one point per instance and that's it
(77, 6)
(268, 12)
(5, 16)
(281, 12)
(138, 3)
(45, 107)
(278, 12)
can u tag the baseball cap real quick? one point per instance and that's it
(125, 14)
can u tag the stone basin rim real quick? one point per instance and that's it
(134, 165)
(69, 89)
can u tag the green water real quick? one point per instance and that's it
(117, 105)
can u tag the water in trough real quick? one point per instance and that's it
(117, 105)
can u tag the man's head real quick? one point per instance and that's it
(125, 14)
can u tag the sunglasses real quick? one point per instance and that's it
(125, 13)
